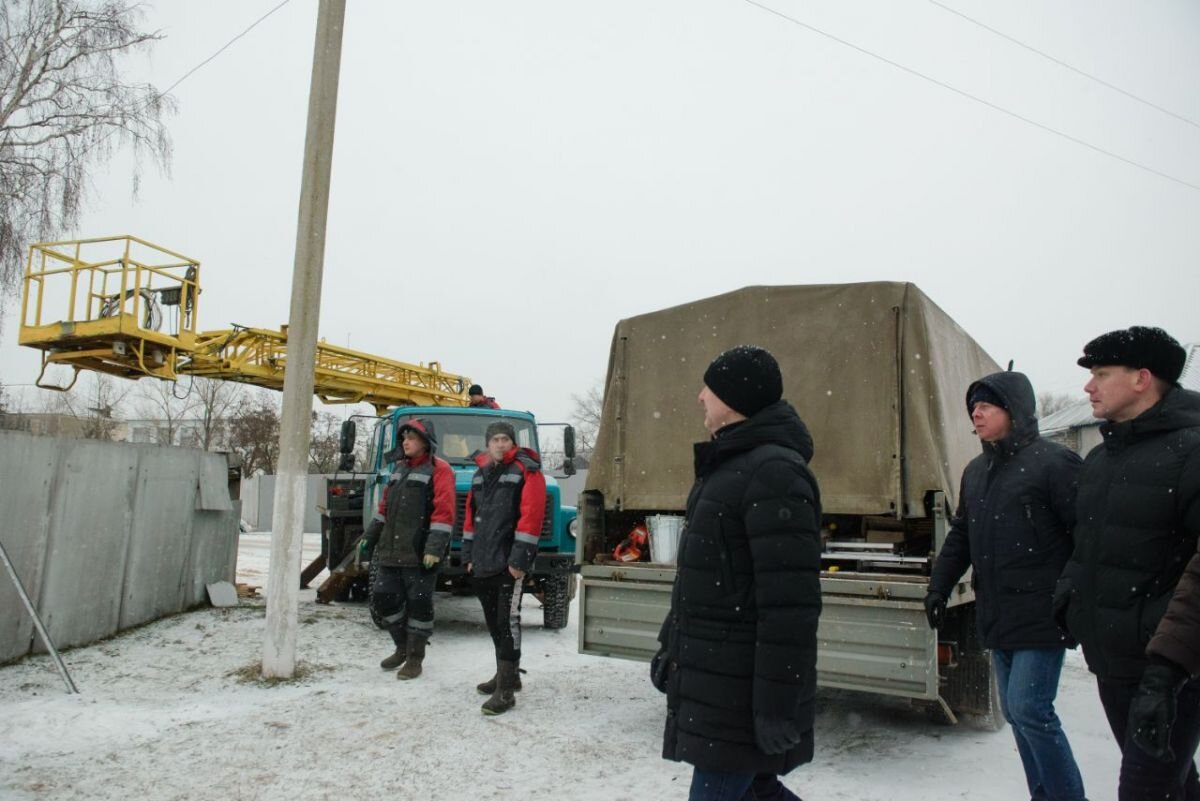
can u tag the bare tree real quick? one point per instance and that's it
(585, 414)
(8, 417)
(254, 432)
(94, 406)
(1050, 402)
(214, 401)
(160, 403)
(64, 109)
(324, 447)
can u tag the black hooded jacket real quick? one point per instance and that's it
(1139, 519)
(1016, 512)
(741, 637)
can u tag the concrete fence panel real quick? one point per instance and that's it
(108, 535)
(91, 514)
(26, 475)
(157, 563)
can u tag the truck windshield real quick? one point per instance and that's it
(460, 436)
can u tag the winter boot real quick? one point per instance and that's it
(488, 687)
(416, 655)
(396, 659)
(502, 699)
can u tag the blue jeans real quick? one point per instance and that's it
(713, 786)
(1028, 682)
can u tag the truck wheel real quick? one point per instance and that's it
(556, 603)
(376, 618)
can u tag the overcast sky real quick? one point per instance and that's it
(510, 179)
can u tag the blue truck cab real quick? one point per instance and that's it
(460, 434)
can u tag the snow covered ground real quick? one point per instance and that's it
(167, 712)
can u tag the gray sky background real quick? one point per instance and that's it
(510, 179)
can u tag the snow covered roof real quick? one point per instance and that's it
(1079, 414)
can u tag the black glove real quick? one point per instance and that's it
(1152, 710)
(935, 608)
(1062, 600)
(658, 671)
(775, 735)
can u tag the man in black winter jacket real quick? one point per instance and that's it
(1129, 591)
(739, 647)
(1016, 510)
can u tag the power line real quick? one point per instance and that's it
(160, 95)
(223, 48)
(1065, 65)
(977, 99)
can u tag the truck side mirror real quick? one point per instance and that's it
(568, 467)
(349, 434)
(569, 445)
(347, 463)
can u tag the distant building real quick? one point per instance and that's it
(1075, 426)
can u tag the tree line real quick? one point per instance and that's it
(199, 413)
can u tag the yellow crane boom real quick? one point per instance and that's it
(131, 312)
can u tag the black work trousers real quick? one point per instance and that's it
(1144, 778)
(500, 597)
(403, 597)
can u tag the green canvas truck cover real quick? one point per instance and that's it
(877, 371)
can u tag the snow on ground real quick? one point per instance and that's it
(166, 712)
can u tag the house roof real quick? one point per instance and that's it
(1079, 414)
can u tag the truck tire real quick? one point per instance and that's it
(556, 605)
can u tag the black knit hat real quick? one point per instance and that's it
(982, 393)
(1137, 347)
(475, 389)
(745, 378)
(500, 427)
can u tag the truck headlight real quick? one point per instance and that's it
(573, 527)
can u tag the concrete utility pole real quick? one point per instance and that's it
(295, 427)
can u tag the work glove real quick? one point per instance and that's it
(1152, 710)
(775, 735)
(429, 560)
(658, 671)
(364, 550)
(935, 608)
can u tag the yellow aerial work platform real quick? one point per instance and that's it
(131, 312)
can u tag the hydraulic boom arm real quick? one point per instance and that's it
(121, 292)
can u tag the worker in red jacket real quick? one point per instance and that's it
(505, 509)
(410, 536)
(479, 400)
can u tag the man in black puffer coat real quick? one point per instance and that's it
(1128, 594)
(1016, 510)
(739, 647)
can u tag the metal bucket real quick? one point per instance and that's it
(665, 531)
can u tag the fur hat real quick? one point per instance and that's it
(1137, 347)
(745, 378)
(501, 427)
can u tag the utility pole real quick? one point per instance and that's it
(295, 428)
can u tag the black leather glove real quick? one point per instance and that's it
(1152, 710)
(935, 608)
(775, 735)
(658, 671)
